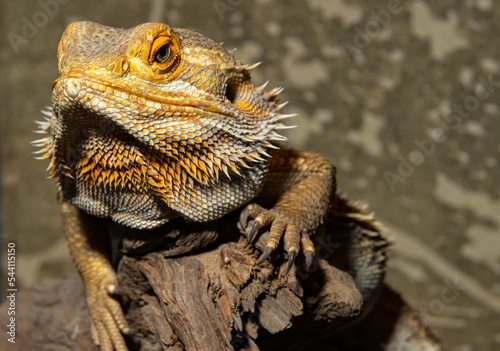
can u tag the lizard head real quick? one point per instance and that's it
(172, 90)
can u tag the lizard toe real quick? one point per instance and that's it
(108, 321)
(104, 340)
(282, 228)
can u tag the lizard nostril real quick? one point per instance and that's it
(121, 66)
(232, 90)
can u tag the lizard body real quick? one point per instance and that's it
(153, 123)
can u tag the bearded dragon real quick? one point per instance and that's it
(153, 123)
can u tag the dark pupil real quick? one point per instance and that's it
(162, 54)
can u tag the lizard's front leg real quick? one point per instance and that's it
(301, 185)
(89, 246)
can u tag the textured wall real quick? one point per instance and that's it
(403, 95)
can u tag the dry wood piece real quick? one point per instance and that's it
(214, 297)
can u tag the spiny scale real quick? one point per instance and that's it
(193, 142)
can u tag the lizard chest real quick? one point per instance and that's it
(141, 188)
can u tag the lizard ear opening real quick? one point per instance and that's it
(232, 92)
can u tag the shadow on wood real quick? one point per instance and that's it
(197, 287)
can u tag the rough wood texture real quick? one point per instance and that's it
(219, 298)
(215, 298)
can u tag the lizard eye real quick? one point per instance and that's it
(164, 57)
(162, 54)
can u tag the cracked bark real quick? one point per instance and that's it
(198, 288)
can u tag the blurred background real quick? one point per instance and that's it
(404, 96)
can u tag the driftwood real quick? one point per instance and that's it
(197, 287)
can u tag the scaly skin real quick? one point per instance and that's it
(152, 123)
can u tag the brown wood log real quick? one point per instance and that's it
(197, 287)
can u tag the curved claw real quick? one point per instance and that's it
(253, 231)
(309, 259)
(291, 259)
(244, 218)
(266, 255)
(116, 291)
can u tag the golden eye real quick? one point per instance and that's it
(162, 54)
(164, 57)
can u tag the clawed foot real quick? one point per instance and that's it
(108, 322)
(281, 225)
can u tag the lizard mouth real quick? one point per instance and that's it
(75, 82)
(157, 117)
